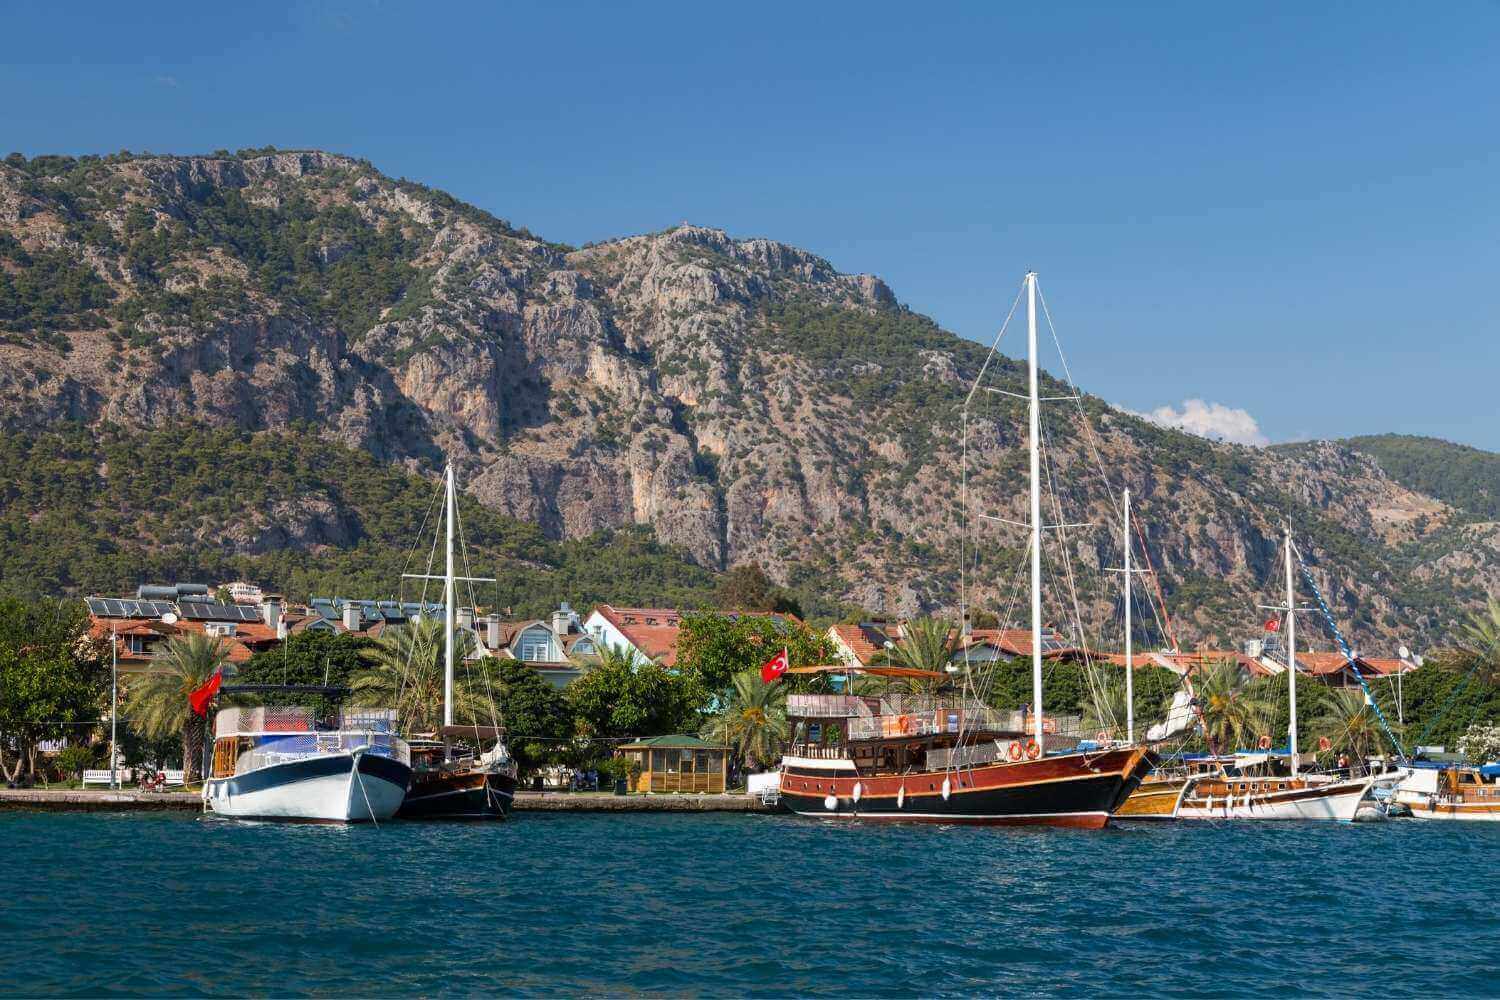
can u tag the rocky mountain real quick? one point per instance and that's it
(740, 397)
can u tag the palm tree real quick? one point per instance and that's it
(1233, 716)
(1350, 724)
(1479, 643)
(158, 702)
(1105, 711)
(406, 673)
(754, 721)
(927, 645)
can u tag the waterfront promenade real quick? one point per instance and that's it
(126, 800)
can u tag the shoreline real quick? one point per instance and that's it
(107, 800)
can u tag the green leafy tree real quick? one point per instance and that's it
(315, 658)
(52, 676)
(712, 648)
(405, 672)
(753, 722)
(626, 696)
(74, 760)
(536, 715)
(158, 706)
(748, 588)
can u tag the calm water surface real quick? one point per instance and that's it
(717, 905)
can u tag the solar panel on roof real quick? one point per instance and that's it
(215, 612)
(96, 606)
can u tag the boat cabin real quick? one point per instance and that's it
(677, 764)
(901, 733)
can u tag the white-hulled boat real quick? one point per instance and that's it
(1452, 792)
(1257, 787)
(278, 763)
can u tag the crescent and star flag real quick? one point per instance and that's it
(200, 697)
(1273, 624)
(775, 667)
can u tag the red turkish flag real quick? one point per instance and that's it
(775, 667)
(1273, 624)
(200, 697)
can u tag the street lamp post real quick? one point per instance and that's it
(114, 707)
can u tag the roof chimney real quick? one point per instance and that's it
(270, 612)
(351, 616)
(465, 617)
(492, 630)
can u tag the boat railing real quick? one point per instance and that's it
(827, 706)
(817, 751)
(959, 719)
(269, 749)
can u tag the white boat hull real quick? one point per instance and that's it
(1463, 812)
(332, 788)
(1336, 802)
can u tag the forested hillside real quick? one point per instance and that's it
(101, 510)
(255, 363)
(1463, 477)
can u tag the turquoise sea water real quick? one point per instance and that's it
(727, 905)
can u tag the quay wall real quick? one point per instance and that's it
(74, 800)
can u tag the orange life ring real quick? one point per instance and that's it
(1015, 750)
(1101, 736)
(1265, 742)
(1032, 750)
(1324, 743)
(908, 725)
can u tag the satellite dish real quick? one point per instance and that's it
(169, 618)
(1404, 653)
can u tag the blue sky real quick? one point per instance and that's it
(1285, 209)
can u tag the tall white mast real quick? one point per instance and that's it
(1035, 406)
(450, 596)
(1291, 651)
(1129, 650)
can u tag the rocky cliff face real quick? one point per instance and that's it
(740, 396)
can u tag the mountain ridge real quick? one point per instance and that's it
(743, 398)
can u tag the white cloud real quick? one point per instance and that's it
(1210, 420)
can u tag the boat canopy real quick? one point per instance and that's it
(840, 668)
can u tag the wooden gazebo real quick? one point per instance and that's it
(677, 764)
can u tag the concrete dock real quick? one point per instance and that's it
(104, 800)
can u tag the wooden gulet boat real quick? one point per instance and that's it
(446, 782)
(1157, 797)
(945, 760)
(1258, 791)
(949, 758)
(1451, 793)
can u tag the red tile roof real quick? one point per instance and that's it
(654, 631)
(1017, 641)
(864, 640)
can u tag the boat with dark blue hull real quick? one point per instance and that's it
(279, 763)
